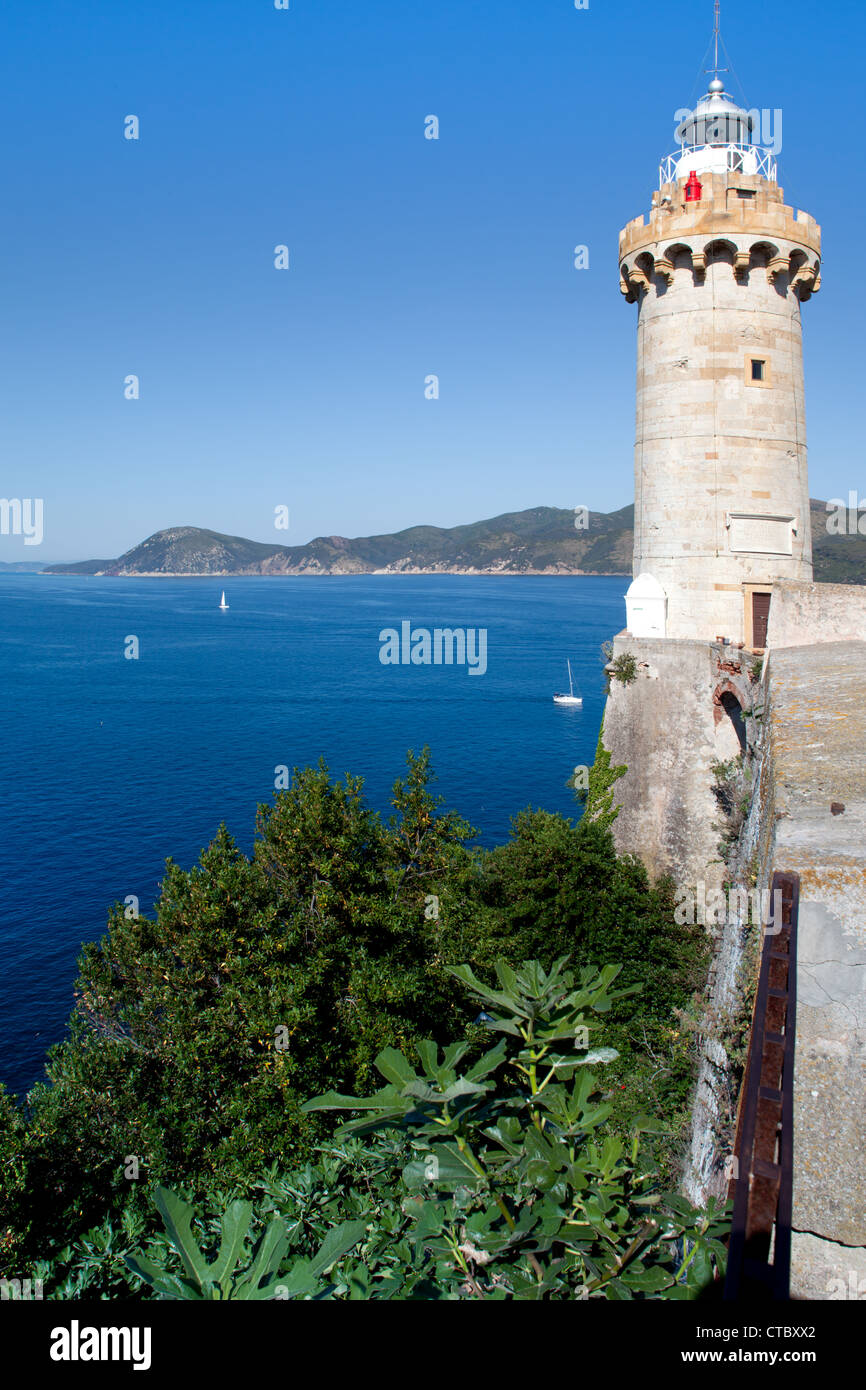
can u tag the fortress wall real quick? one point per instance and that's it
(802, 614)
(669, 728)
(663, 728)
(815, 736)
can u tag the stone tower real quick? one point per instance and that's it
(719, 272)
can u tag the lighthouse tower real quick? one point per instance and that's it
(719, 272)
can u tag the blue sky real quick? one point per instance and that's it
(408, 256)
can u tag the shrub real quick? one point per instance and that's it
(624, 668)
(510, 1188)
(258, 981)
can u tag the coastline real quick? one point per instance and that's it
(309, 573)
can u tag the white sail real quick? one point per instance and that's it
(570, 698)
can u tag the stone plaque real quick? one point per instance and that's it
(752, 532)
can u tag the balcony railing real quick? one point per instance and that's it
(739, 159)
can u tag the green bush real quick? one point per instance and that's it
(509, 1187)
(235, 1272)
(199, 1032)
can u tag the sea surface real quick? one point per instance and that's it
(114, 764)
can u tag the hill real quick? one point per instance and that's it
(542, 540)
(22, 566)
(835, 559)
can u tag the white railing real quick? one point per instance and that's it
(739, 159)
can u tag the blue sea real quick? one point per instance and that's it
(114, 764)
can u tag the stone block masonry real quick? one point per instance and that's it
(721, 487)
(816, 826)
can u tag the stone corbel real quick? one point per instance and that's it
(699, 262)
(637, 279)
(741, 263)
(632, 281)
(777, 265)
(806, 281)
(665, 269)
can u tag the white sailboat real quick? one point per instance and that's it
(570, 698)
(223, 604)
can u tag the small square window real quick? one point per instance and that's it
(757, 371)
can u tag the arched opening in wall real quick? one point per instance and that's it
(762, 252)
(646, 263)
(797, 259)
(722, 251)
(680, 256)
(730, 736)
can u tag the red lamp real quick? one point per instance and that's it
(693, 188)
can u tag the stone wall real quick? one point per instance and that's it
(668, 728)
(814, 824)
(804, 614)
(808, 816)
(661, 727)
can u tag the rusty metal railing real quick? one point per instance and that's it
(759, 1251)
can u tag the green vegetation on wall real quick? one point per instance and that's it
(598, 798)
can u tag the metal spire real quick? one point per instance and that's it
(715, 69)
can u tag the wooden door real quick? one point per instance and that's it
(760, 618)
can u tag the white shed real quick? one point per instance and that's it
(646, 607)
